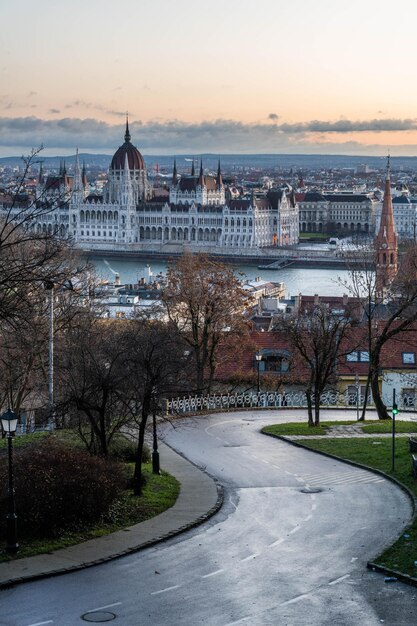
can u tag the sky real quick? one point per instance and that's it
(235, 76)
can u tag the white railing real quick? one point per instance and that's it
(266, 399)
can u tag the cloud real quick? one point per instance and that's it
(54, 111)
(32, 93)
(273, 116)
(172, 136)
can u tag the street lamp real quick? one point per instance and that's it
(155, 452)
(49, 286)
(9, 425)
(258, 357)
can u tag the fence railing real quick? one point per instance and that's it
(266, 399)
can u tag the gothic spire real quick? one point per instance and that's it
(219, 179)
(127, 133)
(193, 169)
(201, 176)
(386, 241)
(174, 173)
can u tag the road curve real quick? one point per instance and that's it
(289, 546)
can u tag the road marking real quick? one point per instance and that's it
(276, 543)
(296, 599)
(276, 466)
(155, 593)
(339, 580)
(263, 461)
(306, 519)
(41, 623)
(353, 559)
(251, 556)
(294, 530)
(314, 506)
(100, 608)
(239, 621)
(218, 571)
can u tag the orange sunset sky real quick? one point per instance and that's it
(238, 76)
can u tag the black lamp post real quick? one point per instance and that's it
(9, 425)
(258, 358)
(155, 452)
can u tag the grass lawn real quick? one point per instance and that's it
(385, 426)
(376, 453)
(302, 428)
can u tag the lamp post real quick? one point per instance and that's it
(155, 452)
(394, 413)
(258, 358)
(49, 286)
(9, 425)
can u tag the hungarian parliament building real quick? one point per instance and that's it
(196, 213)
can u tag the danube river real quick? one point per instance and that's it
(297, 280)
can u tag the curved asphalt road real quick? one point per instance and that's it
(276, 554)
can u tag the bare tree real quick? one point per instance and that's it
(317, 337)
(206, 304)
(155, 365)
(383, 318)
(93, 380)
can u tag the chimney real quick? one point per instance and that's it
(316, 299)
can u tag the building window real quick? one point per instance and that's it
(409, 358)
(358, 356)
(274, 361)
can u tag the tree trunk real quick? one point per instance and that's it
(317, 409)
(138, 480)
(381, 409)
(309, 408)
(365, 400)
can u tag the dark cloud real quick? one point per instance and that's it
(54, 111)
(32, 93)
(347, 126)
(273, 116)
(174, 135)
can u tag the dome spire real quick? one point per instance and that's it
(127, 133)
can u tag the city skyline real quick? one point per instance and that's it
(226, 78)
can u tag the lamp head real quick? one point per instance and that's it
(9, 422)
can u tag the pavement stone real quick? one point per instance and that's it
(199, 498)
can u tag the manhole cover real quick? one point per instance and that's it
(311, 490)
(98, 616)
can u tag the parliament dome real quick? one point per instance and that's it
(134, 157)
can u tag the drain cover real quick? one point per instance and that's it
(98, 616)
(311, 490)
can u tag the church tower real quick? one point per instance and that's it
(386, 242)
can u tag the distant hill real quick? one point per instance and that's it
(284, 161)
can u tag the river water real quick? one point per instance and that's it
(297, 280)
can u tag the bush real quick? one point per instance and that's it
(124, 449)
(59, 488)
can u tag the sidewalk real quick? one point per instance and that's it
(199, 498)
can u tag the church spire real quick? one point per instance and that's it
(193, 169)
(127, 133)
(219, 179)
(386, 241)
(174, 173)
(201, 176)
(41, 179)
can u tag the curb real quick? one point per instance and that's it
(409, 580)
(7, 584)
